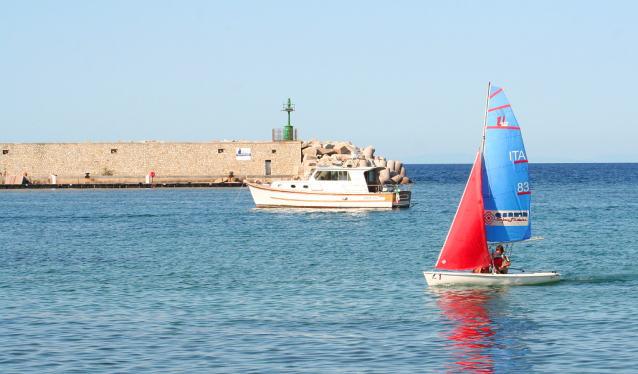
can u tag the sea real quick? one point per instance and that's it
(197, 280)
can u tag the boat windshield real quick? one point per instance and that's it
(332, 175)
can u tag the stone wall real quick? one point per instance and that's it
(126, 160)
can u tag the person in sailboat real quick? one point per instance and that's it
(500, 260)
(482, 270)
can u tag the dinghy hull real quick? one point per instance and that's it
(448, 278)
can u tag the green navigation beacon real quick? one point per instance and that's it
(288, 135)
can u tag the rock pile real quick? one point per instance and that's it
(316, 153)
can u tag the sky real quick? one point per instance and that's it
(407, 77)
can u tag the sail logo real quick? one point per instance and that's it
(506, 217)
(501, 121)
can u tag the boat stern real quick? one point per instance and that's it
(402, 199)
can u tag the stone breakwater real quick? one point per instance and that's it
(176, 162)
(316, 153)
(132, 162)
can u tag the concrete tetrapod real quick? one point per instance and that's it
(369, 152)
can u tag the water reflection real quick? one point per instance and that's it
(484, 331)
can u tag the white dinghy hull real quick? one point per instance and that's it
(447, 278)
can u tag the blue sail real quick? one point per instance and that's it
(506, 190)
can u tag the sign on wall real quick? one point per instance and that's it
(243, 154)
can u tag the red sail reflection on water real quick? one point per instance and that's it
(470, 329)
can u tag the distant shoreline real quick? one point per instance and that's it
(117, 186)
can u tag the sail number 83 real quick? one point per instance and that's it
(523, 187)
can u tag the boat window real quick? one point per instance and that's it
(517, 214)
(372, 180)
(524, 214)
(322, 175)
(498, 215)
(510, 214)
(279, 185)
(305, 186)
(293, 186)
(334, 175)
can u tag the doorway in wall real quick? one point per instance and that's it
(268, 170)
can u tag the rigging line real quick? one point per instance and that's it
(490, 250)
(487, 104)
(484, 167)
(240, 188)
(511, 248)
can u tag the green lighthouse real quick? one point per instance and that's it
(288, 134)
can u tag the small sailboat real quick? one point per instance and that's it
(494, 209)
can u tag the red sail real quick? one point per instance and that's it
(465, 247)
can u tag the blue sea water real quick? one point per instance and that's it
(198, 280)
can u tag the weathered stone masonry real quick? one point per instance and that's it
(128, 160)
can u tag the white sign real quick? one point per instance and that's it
(243, 154)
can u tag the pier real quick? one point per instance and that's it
(118, 185)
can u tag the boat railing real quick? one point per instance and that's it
(391, 187)
(371, 187)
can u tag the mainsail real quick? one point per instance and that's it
(506, 190)
(465, 247)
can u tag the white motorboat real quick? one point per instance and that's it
(333, 187)
(495, 208)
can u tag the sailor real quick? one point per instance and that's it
(482, 270)
(500, 260)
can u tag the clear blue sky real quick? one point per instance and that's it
(408, 77)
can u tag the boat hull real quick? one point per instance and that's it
(444, 278)
(266, 197)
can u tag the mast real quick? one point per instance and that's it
(487, 104)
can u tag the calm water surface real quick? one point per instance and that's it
(164, 280)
